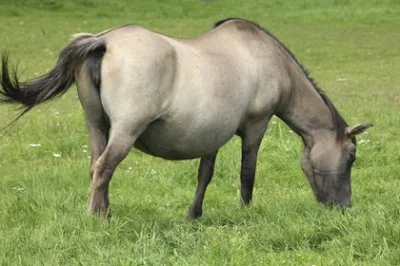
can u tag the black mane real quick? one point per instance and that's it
(339, 122)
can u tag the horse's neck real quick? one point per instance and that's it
(305, 111)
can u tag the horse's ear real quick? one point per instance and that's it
(357, 129)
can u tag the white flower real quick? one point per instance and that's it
(57, 155)
(363, 141)
(18, 189)
(35, 145)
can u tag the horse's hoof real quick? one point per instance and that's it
(104, 214)
(194, 215)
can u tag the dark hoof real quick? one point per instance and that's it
(245, 203)
(194, 215)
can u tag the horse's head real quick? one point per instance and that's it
(327, 164)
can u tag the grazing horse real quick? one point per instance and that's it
(185, 98)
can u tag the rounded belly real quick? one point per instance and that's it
(174, 141)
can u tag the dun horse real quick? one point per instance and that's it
(185, 98)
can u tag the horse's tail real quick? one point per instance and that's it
(55, 83)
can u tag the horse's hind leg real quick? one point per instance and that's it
(118, 147)
(96, 121)
(252, 136)
(98, 133)
(205, 173)
(105, 155)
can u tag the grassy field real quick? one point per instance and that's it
(352, 50)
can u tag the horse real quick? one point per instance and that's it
(182, 99)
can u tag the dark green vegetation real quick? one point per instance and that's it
(352, 50)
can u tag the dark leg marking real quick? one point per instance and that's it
(205, 173)
(251, 140)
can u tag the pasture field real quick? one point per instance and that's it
(352, 49)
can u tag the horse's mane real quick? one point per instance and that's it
(339, 123)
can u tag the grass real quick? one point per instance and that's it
(351, 47)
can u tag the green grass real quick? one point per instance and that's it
(352, 50)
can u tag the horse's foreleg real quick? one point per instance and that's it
(117, 149)
(251, 136)
(205, 173)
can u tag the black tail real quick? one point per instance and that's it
(55, 83)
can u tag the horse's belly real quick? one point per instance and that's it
(177, 142)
